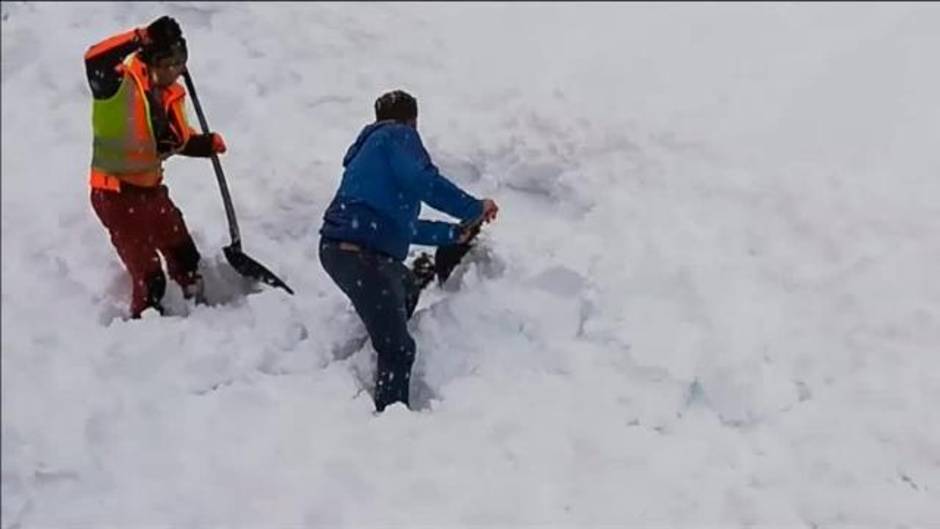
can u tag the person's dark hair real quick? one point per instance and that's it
(397, 105)
(177, 50)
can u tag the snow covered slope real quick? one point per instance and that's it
(710, 299)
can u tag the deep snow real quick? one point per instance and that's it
(710, 299)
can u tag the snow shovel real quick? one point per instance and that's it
(243, 264)
(446, 258)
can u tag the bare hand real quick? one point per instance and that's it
(490, 209)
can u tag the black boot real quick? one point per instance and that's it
(156, 287)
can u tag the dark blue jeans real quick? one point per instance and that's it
(384, 293)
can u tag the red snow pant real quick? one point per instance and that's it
(143, 221)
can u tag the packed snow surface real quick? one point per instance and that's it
(710, 299)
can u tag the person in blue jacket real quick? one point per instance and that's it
(371, 223)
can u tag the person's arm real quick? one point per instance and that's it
(102, 61)
(413, 169)
(435, 233)
(197, 145)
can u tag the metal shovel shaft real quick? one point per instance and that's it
(216, 165)
(242, 263)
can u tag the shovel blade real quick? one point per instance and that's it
(446, 258)
(248, 267)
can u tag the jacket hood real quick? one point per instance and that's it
(363, 136)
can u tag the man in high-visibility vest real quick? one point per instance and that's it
(139, 121)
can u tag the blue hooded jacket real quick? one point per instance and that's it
(388, 174)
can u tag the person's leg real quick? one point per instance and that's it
(375, 286)
(173, 240)
(396, 358)
(123, 214)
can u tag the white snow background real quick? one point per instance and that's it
(710, 300)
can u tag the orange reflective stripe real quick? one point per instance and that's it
(174, 92)
(111, 43)
(179, 123)
(138, 69)
(172, 101)
(138, 111)
(101, 180)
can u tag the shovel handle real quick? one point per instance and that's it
(216, 165)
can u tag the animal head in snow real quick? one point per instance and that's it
(397, 105)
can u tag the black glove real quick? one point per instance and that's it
(164, 31)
